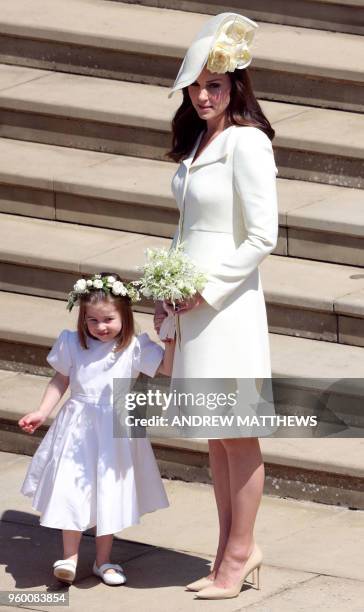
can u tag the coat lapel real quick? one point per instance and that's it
(188, 160)
(217, 150)
(185, 166)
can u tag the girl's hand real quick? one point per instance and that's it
(159, 316)
(186, 305)
(31, 421)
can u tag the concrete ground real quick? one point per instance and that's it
(313, 554)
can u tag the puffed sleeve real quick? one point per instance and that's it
(254, 176)
(60, 355)
(147, 355)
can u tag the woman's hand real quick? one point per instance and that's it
(159, 315)
(186, 305)
(31, 421)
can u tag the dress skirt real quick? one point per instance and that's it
(81, 476)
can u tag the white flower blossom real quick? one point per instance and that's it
(110, 280)
(80, 285)
(118, 288)
(97, 283)
(89, 282)
(231, 49)
(147, 292)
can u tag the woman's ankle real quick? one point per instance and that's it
(219, 556)
(236, 554)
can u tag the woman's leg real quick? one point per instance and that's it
(246, 477)
(71, 544)
(103, 551)
(220, 476)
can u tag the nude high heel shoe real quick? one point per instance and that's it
(252, 564)
(200, 584)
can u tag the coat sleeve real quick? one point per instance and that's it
(254, 177)
(174, 239)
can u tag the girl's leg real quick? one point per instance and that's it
(246, 476)
(220, 476)
(103, 551)
(71, 544)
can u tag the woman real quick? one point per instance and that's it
(225, 188)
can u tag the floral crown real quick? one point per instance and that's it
(232, 47)
(109, 284)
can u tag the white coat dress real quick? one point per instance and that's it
(228, 224)
(82, 476)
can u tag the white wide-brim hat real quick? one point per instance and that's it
(229, 36)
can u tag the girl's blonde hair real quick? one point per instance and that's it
(122, 304)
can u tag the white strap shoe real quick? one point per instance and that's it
(65, 570)
(110, 578)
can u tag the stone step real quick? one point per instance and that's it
(34, 323)
(30, 326)
(138, 43)
(92, 43)
(334, 15)
(320, 222)
(326, 469)
(134, 119)
(309, 374)
(305, 298)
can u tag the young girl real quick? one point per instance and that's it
(81, 476)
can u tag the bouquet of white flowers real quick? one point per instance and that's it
(170, 276)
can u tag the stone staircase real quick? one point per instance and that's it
(336, 15)
(85, 186)
(145, 45)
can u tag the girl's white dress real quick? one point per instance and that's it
(82, 476)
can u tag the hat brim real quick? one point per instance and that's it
(197, 54)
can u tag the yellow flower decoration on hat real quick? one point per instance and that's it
(231, 49)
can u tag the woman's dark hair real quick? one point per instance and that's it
(243, 109)
(122, 304)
